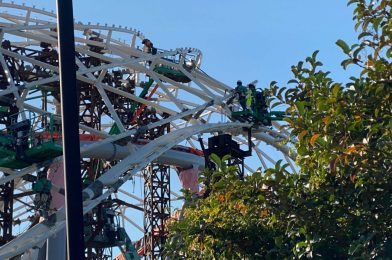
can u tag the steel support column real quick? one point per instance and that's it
(156, 209)
(6, 194)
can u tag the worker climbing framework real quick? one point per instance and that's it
(135, 108)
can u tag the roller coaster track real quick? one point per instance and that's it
(190, 108)
(112, 180)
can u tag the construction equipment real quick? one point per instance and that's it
(21, 146)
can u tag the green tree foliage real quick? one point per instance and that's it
(339, 206)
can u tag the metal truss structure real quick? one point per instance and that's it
(6, 192)
(156, 208)
(135, 108)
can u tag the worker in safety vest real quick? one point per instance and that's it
(250, 93)
(241, 94)
(249, 98)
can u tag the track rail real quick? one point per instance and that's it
(111, 181)
(191, 108)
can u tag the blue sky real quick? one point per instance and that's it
(248, 39)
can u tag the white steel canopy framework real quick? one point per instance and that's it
(164, 89)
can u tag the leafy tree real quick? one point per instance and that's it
(339, 205)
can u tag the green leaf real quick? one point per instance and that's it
(301, 244)
(276, 104)
(376, 22)
(314, 54)
(280, 92)
(219, 185)
(216, 175)
(261, 197)
(299, 65)
(347, 62)
(388, 53)
(215, 158)
(226, 157)
(272, 220)
(364, 34)
(302, 150)
(300, 107)
(356, 52)
(352, 2)
(295, 81)
(343, 45)
(278, 241)
(335, 90)
(273, 83)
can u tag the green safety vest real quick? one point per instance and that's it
(249, 97)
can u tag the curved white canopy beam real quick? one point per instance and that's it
(112, 179)
(31, 26)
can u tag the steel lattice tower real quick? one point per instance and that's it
(6, 211)
(156, 208)
(135, 108)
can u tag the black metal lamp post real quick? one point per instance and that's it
(70, 131)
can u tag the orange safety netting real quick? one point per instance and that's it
(57, 135)
(120, 257)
